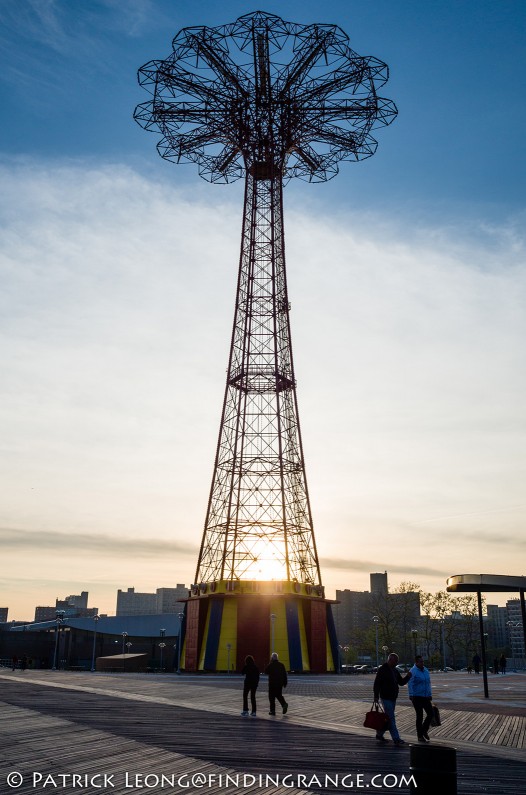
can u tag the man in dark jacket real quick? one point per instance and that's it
(277, 680)
(386, 687)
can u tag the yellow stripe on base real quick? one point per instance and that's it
(227, 636)
(303, 639)
(330, 662)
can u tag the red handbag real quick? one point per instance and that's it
(376, 718)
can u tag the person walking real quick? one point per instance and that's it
(476, 663)
(277, 680)
(386, 687)
(503, 664)
(250, 685)
(420, 694)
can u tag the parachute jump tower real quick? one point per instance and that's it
(264, 100)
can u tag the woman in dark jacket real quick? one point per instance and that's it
(250, 685)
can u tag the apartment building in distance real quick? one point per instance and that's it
(164, 600)
(73, 606)
(354, 613)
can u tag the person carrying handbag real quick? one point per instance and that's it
(420, 694)
(386, 687)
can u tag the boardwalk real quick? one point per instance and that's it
(136, 729)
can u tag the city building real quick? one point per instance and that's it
(367, 619)
(130, 603)
(164, 600)
(498, 636)
(171, 600)
(74, 606)
(352, 613)
(3, 614)
(378, 582)
(355, 611)
(515, 630)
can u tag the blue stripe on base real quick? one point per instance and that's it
(333, 638)
(293, 632)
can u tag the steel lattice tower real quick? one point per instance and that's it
(266, 100)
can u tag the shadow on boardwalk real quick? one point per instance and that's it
(131, 727)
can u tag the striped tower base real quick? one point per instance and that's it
(225, 621)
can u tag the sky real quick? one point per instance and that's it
(407, 279)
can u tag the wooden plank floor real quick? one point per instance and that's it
(88, 724)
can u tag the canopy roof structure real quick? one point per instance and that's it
(489, 583)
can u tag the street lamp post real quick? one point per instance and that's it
(414, 633)
(180, 617)
(272, 622)
(124, 636)
(96, 620)
(59, 618)
(162, 645)
(385, 649)
(376, 620)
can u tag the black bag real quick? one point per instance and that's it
(376, 718)
(435, 720)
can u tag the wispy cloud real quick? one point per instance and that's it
(379, 565)
(75, 543)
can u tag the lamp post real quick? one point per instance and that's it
(414, 633)
(228, 647)
(272, 622)
(376, 620)
(442, 626)
(124, 636)
(385, 649)
(180, 617)
(162, 645)
(96, 621)
(59, 618)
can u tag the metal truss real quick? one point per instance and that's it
(266, 100)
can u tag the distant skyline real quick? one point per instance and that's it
(407, 278)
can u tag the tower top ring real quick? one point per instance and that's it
(267, 97)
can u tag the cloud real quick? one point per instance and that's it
(75, 543)
(372, 566)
